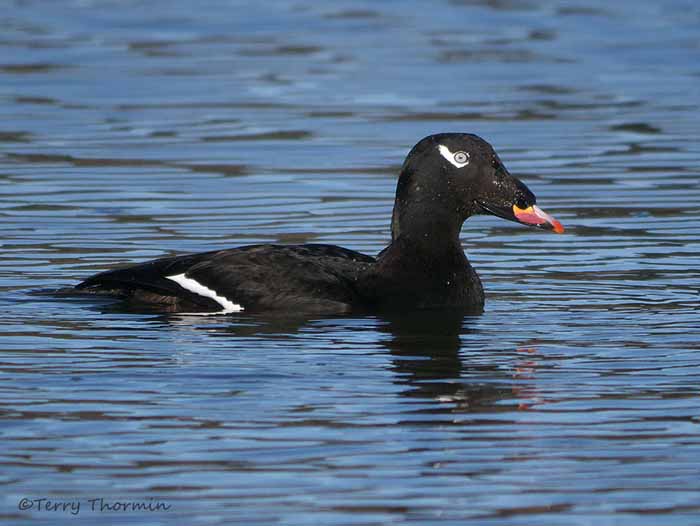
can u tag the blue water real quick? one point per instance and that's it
(132, 130)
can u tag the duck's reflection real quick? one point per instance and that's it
(436, 355)
(427, 350)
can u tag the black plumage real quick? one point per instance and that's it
(445, 179)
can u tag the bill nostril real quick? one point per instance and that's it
(521, 202)
(523, 195)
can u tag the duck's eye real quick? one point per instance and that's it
(458, 159)
(496, 165)
(461, 157)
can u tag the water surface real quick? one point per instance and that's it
(133, 130)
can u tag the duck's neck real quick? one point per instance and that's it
(428, 238)
(425, 267)
(426, 225)
(425, 240)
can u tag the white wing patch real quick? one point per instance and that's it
(450, 156)
(196, 287)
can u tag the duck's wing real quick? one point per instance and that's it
(258, 277)
(149, 282)
(318, 278)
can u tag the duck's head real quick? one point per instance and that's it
(449, 177)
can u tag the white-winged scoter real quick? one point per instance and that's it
(445, 179)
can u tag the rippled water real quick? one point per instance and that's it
(132, 130)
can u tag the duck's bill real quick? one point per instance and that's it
(533, 215)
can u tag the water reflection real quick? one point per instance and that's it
(429, 359)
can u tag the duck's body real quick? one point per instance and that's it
(311, 278)
(445, 179)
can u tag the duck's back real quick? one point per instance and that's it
(256, 278)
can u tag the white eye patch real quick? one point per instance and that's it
(457, 159)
